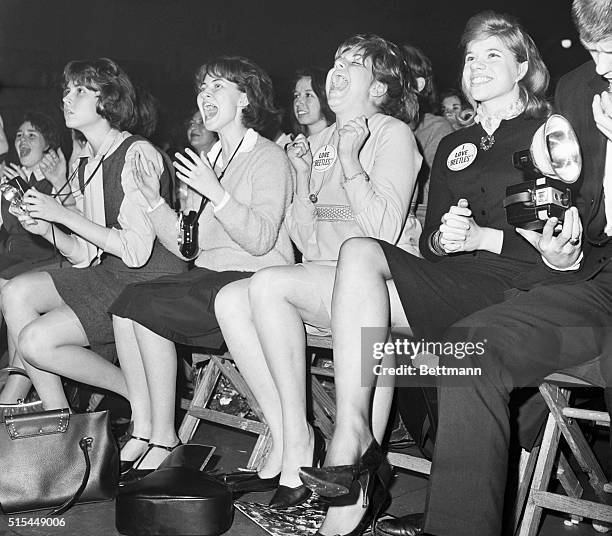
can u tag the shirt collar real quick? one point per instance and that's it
(109, 141)
(491, 122)
(248, 142)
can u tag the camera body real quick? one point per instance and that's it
(12, 191)
(530, 203)
(188, 234)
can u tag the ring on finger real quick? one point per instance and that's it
(574, 241)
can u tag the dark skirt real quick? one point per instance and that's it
(180, 307)
(435, 295)
(89, 292)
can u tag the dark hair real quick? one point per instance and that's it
(117, 100)
(251, 79)
(420, 66)
(453, 92)
(593, 19)
(389, 67)
(317, 82)
(45, 125)
(148, 113)
(534, 84)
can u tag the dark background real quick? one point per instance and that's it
(160, 43)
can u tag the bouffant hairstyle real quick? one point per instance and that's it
(117, 99)
(260, 113)
(534, 84)
(389, 66)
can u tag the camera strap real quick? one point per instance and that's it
(205, 200)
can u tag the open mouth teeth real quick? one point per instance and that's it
(339, 82)
(24, 151)
(480, 80)
(210, 110)
(302, 112)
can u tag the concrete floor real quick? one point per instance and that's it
(233, 448)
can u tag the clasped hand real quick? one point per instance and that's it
(352, 135)
(459, 231)
(602, 113)
(300, 155)
(561, 250)
(198, 173)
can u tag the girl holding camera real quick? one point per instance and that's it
(354, 178)
(247, 180)
(55, 317)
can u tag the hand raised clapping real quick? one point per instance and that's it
(53, 167)
(146, 177)
(197, 172)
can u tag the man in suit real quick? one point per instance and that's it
(544, 329)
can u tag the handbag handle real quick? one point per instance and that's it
(85, 444)
(16, 370)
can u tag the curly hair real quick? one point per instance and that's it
(420, 66)
(117, 100)
(45, 125)
(390, 67)
(593, 19)
(260, 114)
(317, 83)
(534, 84)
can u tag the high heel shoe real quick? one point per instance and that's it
(126, 465)
(339, 480)
(376, 497)
(241, 482)
(135, 473)
(285, 496)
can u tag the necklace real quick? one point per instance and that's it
(324, 161)
(490, 122)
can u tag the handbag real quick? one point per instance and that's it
(21, 406)
(55, 459)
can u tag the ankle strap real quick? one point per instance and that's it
(165, 447)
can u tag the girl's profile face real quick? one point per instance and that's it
(30, 145)
(79, 105)
(349, 80)
(491, 72)
(306, 105)
(220, 103)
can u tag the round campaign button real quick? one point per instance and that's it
(461, 156)
(324, 158)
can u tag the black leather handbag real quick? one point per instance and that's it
(21, 406)
(54, 459)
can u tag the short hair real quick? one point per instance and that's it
(45, 125)
(453, 92)
(147, 107)
(534, 84)
(317, 82)
(389, 66)
(420, 67)
(593, 19)
(260, 114)
(117, 100)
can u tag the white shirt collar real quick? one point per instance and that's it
(248, 142)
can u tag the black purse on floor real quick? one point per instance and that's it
(55, 459)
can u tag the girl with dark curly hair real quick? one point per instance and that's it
(247, 181)
(55, 318)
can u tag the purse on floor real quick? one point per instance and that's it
(55, 459)
(21, 407)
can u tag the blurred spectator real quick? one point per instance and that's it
(456, 109)
(311, 113)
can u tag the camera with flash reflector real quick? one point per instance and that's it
(551, 163)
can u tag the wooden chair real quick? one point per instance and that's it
(212, 367)
(562, 423)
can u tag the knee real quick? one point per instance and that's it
(33, 345)
(267, 285)
(359, 252)
(232, 301)
(13, 296)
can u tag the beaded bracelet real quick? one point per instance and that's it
(365, 176)
(435, 244)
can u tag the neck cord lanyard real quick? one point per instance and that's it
(205, 200)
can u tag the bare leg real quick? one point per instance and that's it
(159, 361)
(362, 298)
(283, 298)
(132, 367)
(234, 316)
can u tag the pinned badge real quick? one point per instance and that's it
(324, 158)
(461, 157)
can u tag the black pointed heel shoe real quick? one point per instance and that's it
(376, 497)
(339, 480)
(126, 465)
(285, 496)
(135, 473)
(408, 525)
(241, 482)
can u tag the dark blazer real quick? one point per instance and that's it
(573, 99)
